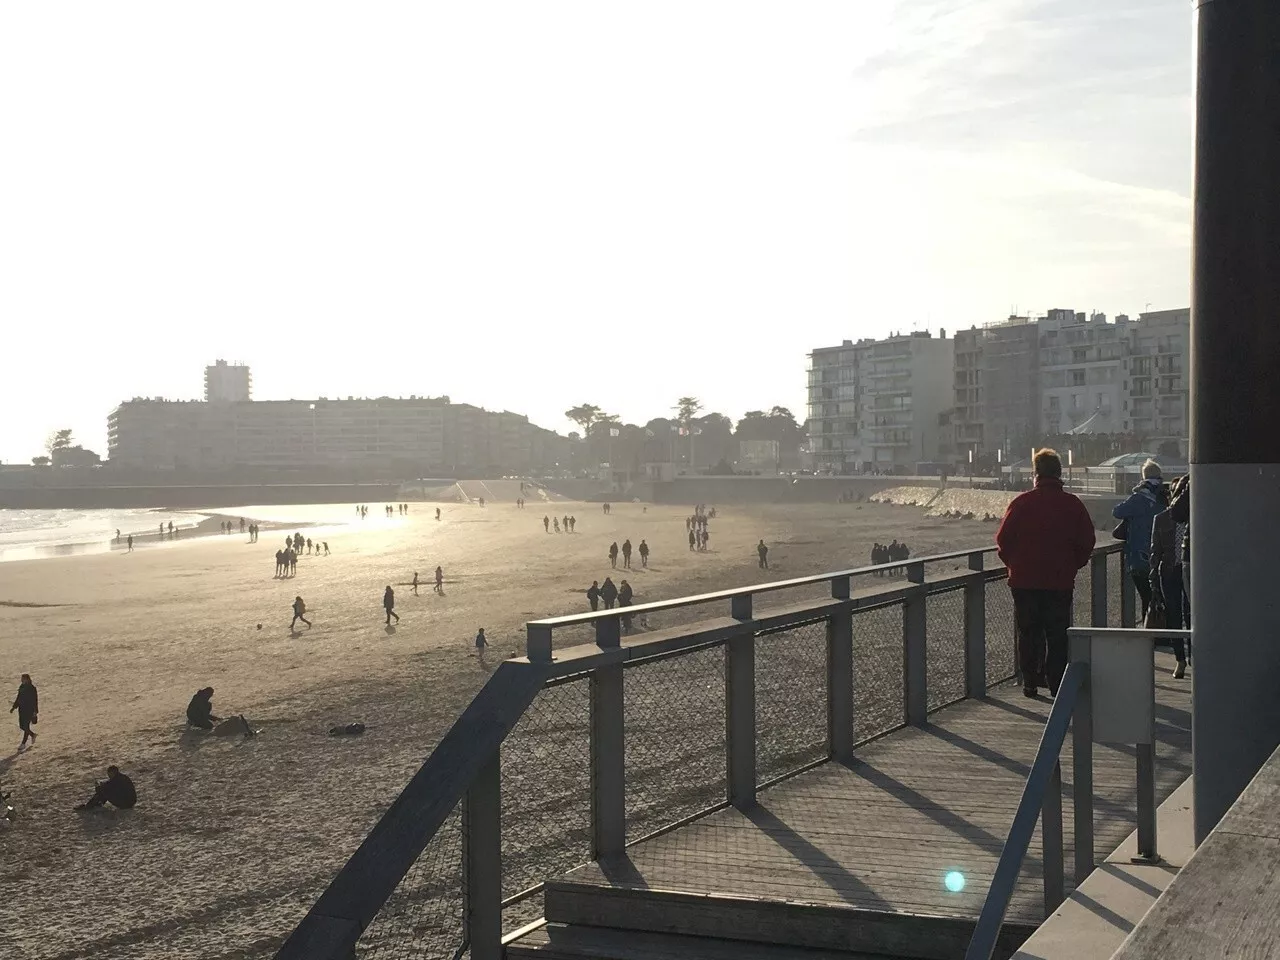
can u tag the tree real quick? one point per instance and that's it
(583, 415)
(41, 461)
(58, 440)
(686, 409)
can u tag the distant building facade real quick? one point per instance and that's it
(227, 383)
(1157, 389)
(417, 436)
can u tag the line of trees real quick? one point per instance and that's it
(706, 441)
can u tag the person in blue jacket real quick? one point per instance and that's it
(1148, 498)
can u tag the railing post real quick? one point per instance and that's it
(1147, 849)
(1051, 840)
(1082, 760)
(1128, 595)
(608, 762)
(609, 632)
(840, 677)
(975, 632)
(537, 644)
(915, 649)
(740, 709)
(1098, 590)
(482, 861)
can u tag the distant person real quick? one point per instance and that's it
(117, 534)
(593, 595)
(876, 558)
(608, 593)
(415, 583)
(573, 524)
(546, 523)
(1138, 512)
(117, 790)
(242, 524)
(279, 563)
(613, 554)
(162, 531)
(437, 513)
(293, 563)
(200, 710)
(626, 554)
(555, 524)
(389, 604)
(565, 524)
(27, 703)
(299, 608)
(762, 553)
(170, 528)
(326, 548)
(481, 643)
(439, 587)
(706, 539)
(308, 541)
(1045, 537)
(693, 539)
(130, 550)
(643, 550)
(625, 596)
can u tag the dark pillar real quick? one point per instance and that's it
(1235, 400)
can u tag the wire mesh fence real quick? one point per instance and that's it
(879, 702)
(1002, 632)
(791, 699)
(674, 715)
(546, 794)
(424, 918)
(1082, 598)
(944, 643)
(1115, 589)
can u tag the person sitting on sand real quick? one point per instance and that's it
(200, 710)
(117, 790)
(299, 608)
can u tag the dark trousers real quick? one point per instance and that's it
(24, 724)
(1043, 617)
(1175, 607)
(1142, 580)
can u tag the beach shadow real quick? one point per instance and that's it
(390, 630)
(7, 762)
(294, 634)
(98, 820)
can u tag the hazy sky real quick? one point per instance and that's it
(534, 205)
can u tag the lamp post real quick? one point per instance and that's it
(314, 458)
(971, 468)
(1071, 474)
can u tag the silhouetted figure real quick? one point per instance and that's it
(439, 587)
(326, 548)
(437, 513)
(546, 523)
(27, 703)
(389, 604)
(763, 553)
(117, 534)
(626, 554)
(555, 524)
(170, 528)
(130, 543)
(117, 790)
(279, 563)
(644, 553)
(609, 593)
(613, 554)
(308, 542)
(593, 595)
(573, 524)
(299, 608)
(200, 710)
(481, 643)
(625, 594)
(415, 583)
(242, 524)
(693, 540)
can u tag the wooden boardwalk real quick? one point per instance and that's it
(856, 857)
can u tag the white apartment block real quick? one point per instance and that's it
(227, 382)
(1157, 374)
(1082, 372)
(877, 404)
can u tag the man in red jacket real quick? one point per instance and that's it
(1045, 537)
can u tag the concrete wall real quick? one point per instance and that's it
(190, 497)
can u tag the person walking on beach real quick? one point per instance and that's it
(326, 548)
(593, 595)
(625, 595)
(415, 583)
(299, 608)
(171, 529)
(546, 523)
(279, 563)
(130, 550)
(481, 643)
(626, 554)
(389, 604)
(439, 587)
(613, 554)
(762, 553)
(1045, 537)
(242, 524)
(644, 553)
(27, 703)
(573, 524)
(437, 514)
(1138, 514)
(693, 538)
(555, 524)
(117, 790)
(608, 593)
(200, 710)
(117, 534)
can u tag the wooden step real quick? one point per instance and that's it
(556, 941)
(818, 926)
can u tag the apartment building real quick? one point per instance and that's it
(1157, 389)
(997, 388)
(417, 436)
(876, 404)
(227, 382)
(1082, 372)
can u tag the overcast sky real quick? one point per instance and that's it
(534, 205)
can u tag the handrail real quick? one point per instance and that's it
(987, 931)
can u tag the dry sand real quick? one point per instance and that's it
(233, 839)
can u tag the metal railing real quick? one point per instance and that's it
(1129, 694)
(579, 749)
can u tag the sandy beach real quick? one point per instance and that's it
(232, 839)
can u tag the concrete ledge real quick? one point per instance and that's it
(1095, 920)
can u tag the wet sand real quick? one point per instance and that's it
(233, 839)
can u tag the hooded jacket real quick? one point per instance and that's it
(1045, 537)
(1148, 498)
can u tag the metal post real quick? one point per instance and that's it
(915, 651)
(1051, 841)
(840, 677)
(975, 632)
(1147, 850)
(1098, 590)
(740, 721)
(608, 762)
(609, 632)
(1082, 761)
(537, 645)
(1128, 595)
(1234, 449)
(740, 607)
(482, 861)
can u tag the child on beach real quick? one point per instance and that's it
(299, 608)
(481, 643)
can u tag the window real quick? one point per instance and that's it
(1077, 355)
(1077, 378)
(1075, 401)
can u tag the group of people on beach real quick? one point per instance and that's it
(565, 524)
(610, 594)
(697, 527)
(625, 551)
(439, 585)
(894, 552)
